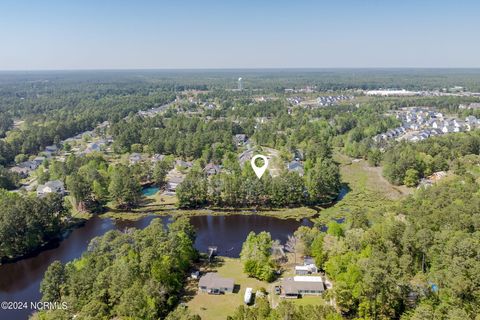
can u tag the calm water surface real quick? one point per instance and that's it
(150, 191)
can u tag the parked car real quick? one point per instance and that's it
(278, 290)
(215, 291)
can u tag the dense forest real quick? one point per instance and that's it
(180, 135)
(239, 187)
(27, 222)
(418, 260)
(138, 274)
(92, 181)
(56, 109)
(408, 162)
(8, 180)
(285, 310)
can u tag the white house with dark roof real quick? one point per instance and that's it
(436, 124)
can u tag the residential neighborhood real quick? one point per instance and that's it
(420, 123)
(240, 160)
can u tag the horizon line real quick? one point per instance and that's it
(237, 68)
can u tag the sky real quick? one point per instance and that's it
(140, 34)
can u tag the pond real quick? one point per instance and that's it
(343, 192)
(149, 191)
(20, 281)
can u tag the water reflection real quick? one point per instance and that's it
(20, 281)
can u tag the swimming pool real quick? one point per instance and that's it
(149, 191)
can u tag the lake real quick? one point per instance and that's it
(20, 281)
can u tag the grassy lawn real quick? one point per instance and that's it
(308, 300)
(283, 213)
(362, 177)
(213, 307)
(288, 271)
(155, 204)
(368, 189)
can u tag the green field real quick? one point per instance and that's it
(156, 204)
(213, 307)
(368, 189)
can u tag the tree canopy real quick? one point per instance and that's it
(138, 274)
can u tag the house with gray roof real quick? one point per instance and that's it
(51, 149)
(93, 147)
(56, 186)
(135, 158)
(21, 171)
(211, 169)
(173, 178)
(212, 283)
(240, 139)
(245, 156)
(299, 286)
(157, 157)
(31, 165)
(448, 129)
(296, 166)
(183, 164)
(308, 267)
(39, 160)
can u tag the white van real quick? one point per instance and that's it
(248, 296)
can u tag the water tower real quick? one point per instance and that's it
(240, 84)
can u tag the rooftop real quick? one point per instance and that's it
(292, 286)
(307, 279)
(213, 280)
